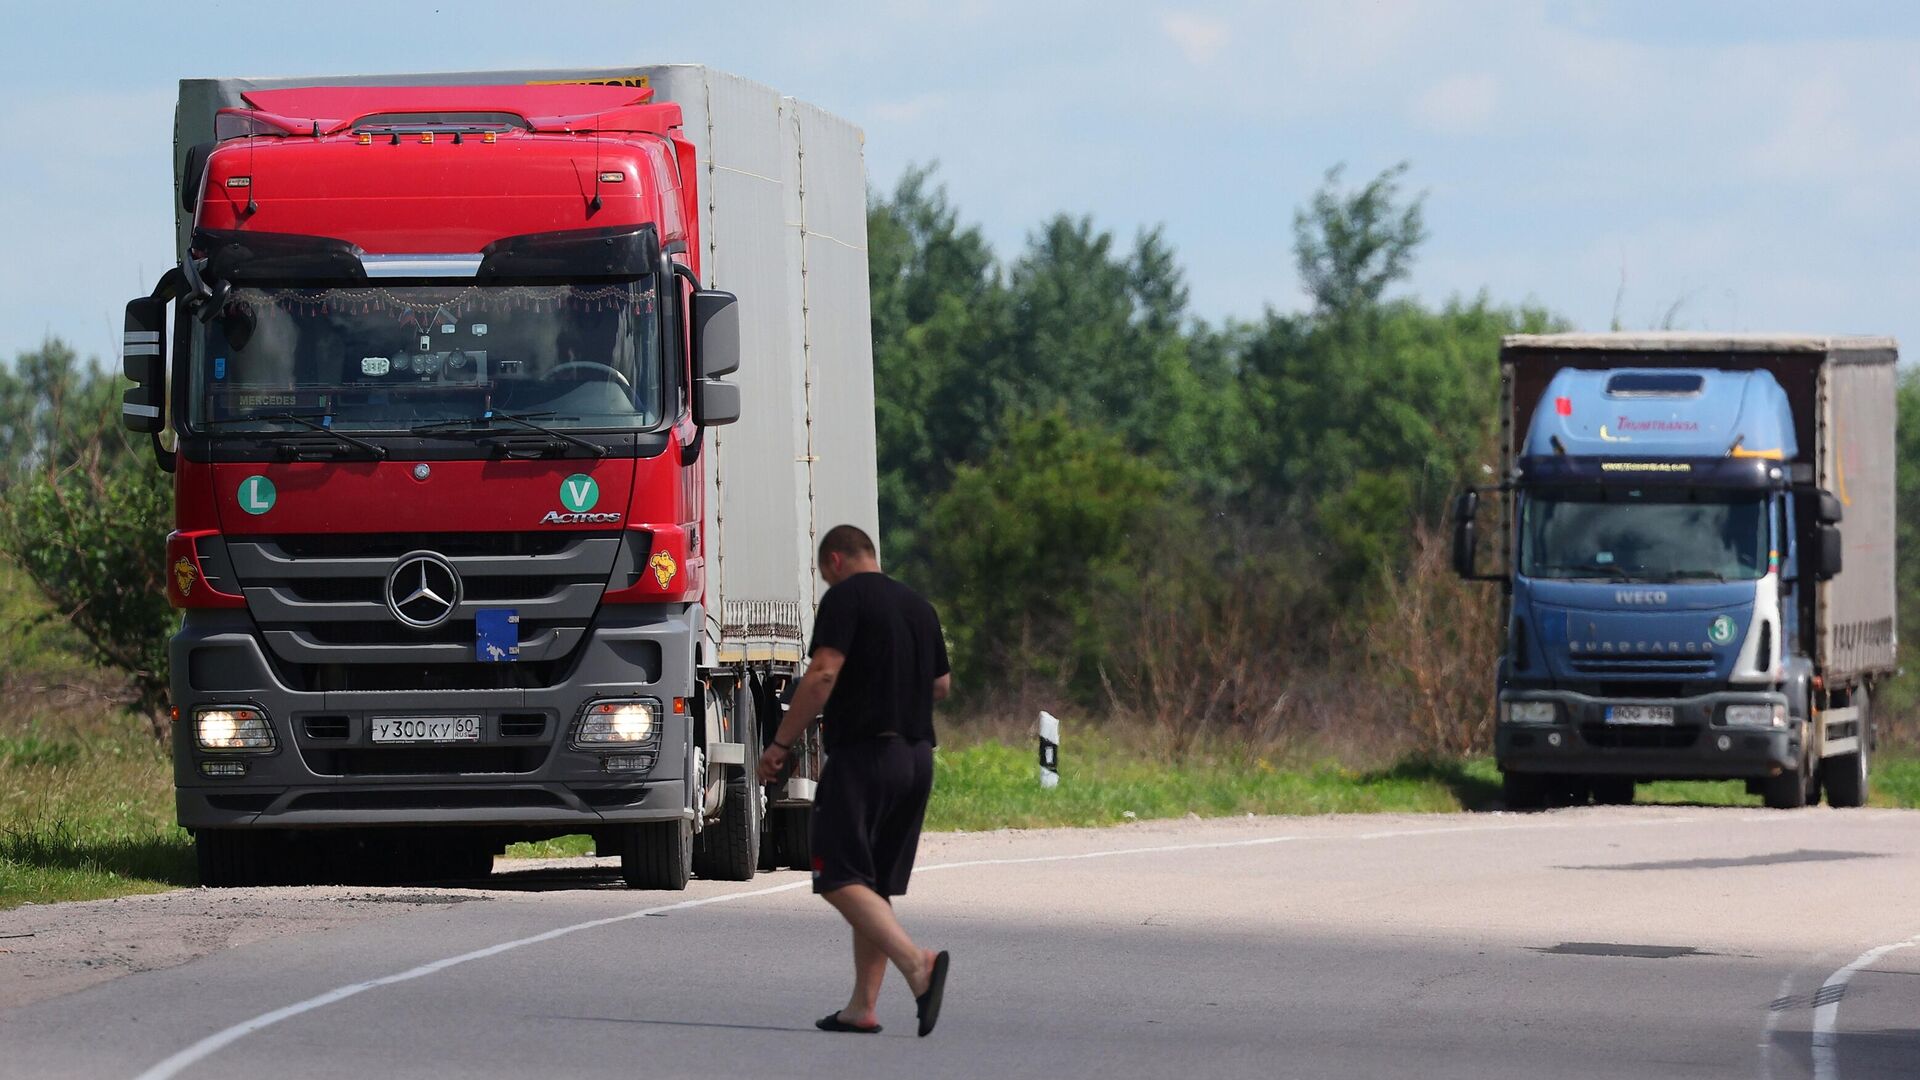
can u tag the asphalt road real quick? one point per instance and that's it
(1620, 942)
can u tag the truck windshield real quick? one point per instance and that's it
(394, 357)
(1638, 536)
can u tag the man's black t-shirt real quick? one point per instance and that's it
(891, 638)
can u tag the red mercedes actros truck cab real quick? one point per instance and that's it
(444, 386)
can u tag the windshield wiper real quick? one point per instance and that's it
(525, 420)
(322, 425)
(1610, 569)
(1714, 575)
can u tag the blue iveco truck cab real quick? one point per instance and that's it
(1669, 538)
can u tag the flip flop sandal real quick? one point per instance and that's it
(929, 1002)
(832, 1022)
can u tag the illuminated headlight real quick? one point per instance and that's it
(1531, 712)
(614, 723)
(233, 728)
(1757, 716)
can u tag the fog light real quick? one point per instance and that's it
(1531, 712)
(223, 768)
(1724, 742)
(628, 763)
(614, 723)
(1553, 738)
(232, 728)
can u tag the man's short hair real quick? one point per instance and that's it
(848, 540)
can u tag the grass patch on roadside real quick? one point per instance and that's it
(84, 816)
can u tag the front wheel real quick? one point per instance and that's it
(1612, 791)
(657, 854)
(1523, 791)
(729, 849)
(229, 858)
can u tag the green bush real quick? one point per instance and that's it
(92, 536)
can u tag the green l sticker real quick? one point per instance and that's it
(1721, 631)
(579, 492)
(256, 495)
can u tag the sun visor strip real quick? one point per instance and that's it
(243, 258)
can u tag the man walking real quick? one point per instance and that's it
(879, 662)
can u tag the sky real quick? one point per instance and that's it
(1716, 165)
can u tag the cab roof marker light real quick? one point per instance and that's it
(613, 177)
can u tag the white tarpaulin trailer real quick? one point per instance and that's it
(783, 224)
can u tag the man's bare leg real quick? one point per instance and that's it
(869, 970)
(872, 918)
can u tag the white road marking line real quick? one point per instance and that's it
(1826, 1015)
(171, 1067)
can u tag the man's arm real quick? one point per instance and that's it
(943, 687)
(808, 699)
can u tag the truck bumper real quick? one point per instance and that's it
(521, 774)
(1699, 745)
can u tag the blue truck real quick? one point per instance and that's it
(1668, 537)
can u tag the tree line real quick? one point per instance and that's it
(1119, 507)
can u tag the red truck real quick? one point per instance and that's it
(463, 552)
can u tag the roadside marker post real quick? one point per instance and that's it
(1049, 732)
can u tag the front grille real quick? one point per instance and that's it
(321, 604)
(1614, 737)
(452, 545)
(425, 760)
(327, 727)
(522, 725)
(1636, 689)
(337, 678)
(1645, 665)
(449, 798)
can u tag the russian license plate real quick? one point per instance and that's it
(1640, 714)
(426, 729)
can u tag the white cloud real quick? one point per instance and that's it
(1200, 38)
(1458, 104)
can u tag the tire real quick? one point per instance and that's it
(788, 825)
(1845, 776)
(1788, 791)
(657, 855)
(729, 849)
(1523, 791)
(1566, 791)
(1612, 791)
(227, 858)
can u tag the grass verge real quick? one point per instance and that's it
(87, 817)
(86, 802)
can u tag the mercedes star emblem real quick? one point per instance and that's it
(423, 590)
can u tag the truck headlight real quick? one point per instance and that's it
(1756, 716)
(1531, 712)
(232, 727)
(614, 723)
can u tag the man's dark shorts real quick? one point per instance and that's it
(867, 814)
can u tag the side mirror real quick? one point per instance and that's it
(1465, 537)
(715, 402)
(714, 319)
(1830, 509)
(192, 171)
(143, 359)
(1828, 562)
